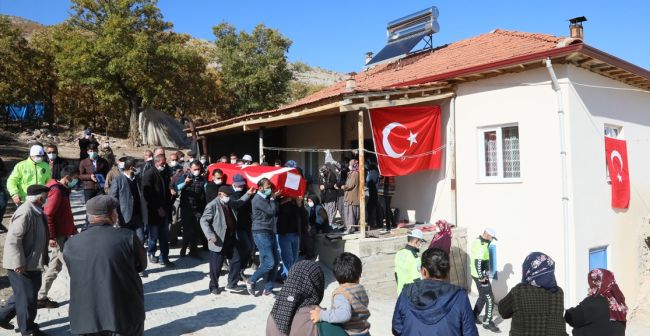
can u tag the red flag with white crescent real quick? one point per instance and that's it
(407, 139)
(288, 181)
(619, 173)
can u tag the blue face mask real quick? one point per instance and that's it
(267, 192)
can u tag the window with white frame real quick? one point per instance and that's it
(499, 153)
(615, 132)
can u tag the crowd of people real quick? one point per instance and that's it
(134, 212)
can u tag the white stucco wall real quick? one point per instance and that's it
(596, 223)
(527, 215)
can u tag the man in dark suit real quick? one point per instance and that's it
(157, 198)
(92, 173)
(127, 190)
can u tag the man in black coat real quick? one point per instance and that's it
(192, 188)
(106, 294)
(56, 163)
(157, 199)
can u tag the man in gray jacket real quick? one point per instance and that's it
(219, 225)
(25, 255)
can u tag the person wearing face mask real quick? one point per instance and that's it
(212, 189)
(407, 260)
(233, 158)
(87, 140)
(106, 293)
(115, 171)
(25, 255)
(157, 200)
(60, 225)
(26, 173)
(244, 221)
(126, 188)
(176, 222)
(219, 225)
(92, 173)
(265, 215)
(56, 163)
(192, 187)
(204, 160)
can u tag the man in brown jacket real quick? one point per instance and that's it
(92, 173)
(351, 197)
(25, 254)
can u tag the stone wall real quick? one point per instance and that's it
(378, 259)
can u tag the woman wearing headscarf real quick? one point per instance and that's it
(442, 238)
(536, 304)
(603, 312)
(302, 291)
(351, 197)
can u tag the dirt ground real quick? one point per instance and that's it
(15, 141)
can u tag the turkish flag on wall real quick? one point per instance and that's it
(405, 138)
(618, 167)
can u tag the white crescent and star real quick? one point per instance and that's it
(616, 155)
(388, 148)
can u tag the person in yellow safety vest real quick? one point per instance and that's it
(407, 260)
(479, 264)
(30, 171)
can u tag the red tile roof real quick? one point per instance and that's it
(499, 48)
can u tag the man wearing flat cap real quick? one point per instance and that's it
(25, 255)
(106, 294)
(219, 225)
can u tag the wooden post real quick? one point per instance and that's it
(261, 137)
(362, 179)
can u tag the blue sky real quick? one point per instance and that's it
(335, 34)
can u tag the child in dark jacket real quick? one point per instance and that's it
(433, 306)
(349, 301)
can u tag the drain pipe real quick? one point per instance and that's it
(452, 157)
(565, 194)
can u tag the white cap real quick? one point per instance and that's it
(247, 158)
(492, 232)
(417, 234)
(36, 150)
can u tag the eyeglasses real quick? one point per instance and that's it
(51, 152)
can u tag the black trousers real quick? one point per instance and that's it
(245, 248)
(388, 213)
(228, 251)
(191, 228)
(23, 303)
(90, 193)
(485, 298)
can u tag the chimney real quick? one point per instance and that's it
(369, 55)
(575, 27)
(350, 82)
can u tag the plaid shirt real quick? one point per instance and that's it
(535, 311)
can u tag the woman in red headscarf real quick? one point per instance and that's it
(442, 239)
(603, 312)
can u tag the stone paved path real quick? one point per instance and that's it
(177, 302)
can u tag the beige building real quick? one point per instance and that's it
(503, 164)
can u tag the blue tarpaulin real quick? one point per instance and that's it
(25, 112)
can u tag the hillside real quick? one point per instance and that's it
(28, 27)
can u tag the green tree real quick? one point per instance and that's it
(122, 47)
(253, 67)
(27, 74)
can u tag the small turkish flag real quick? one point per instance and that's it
(406, 138)
(618, 167)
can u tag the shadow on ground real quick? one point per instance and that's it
(206, 319)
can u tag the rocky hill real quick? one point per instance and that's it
(28, 27)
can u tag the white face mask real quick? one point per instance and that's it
(237, 188)
(196, 172)
(120, 165)
(106, 145)
(173, 163)
(161, 168)
(52, 156)
(233, 161)
(203, 161)
(225, 199)
(310, 204)
(37, 159)
(217, 181)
